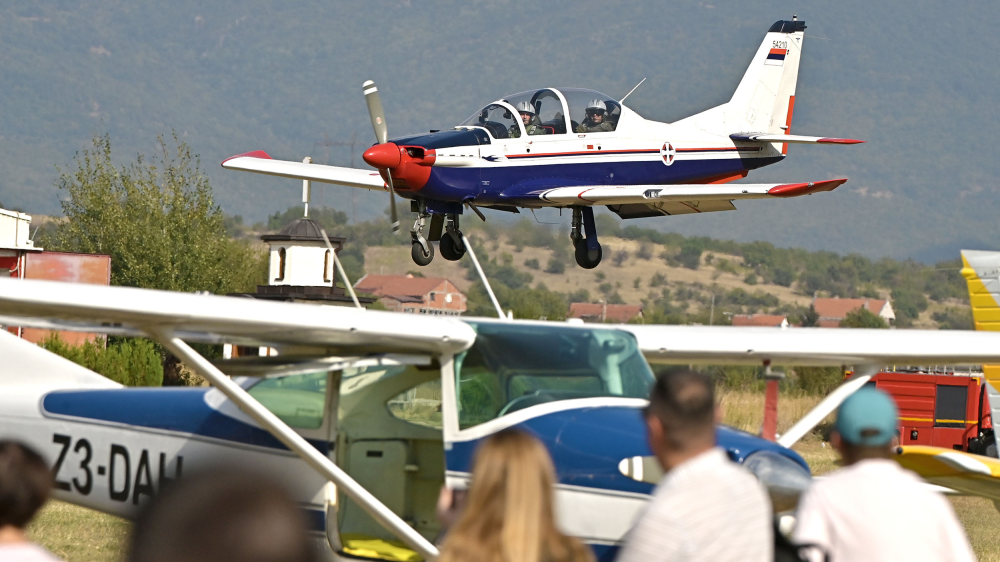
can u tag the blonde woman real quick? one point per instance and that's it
(508, 515)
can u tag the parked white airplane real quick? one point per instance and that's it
(366, 414)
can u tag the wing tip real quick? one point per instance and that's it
(831, 140)
(252, 154)
(798, 189)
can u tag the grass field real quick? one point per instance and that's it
(81, 535)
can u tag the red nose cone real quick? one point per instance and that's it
(385, 155)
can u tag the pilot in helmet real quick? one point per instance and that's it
(595, 121)
(530, 120)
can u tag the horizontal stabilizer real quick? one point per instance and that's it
(259, 162)
(791, 139)
(651, 194)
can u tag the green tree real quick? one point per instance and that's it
(156, 219)
(863, 318)
(810, 318)
(132, 362)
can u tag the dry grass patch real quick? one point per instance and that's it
(78, 534)
(744, 409)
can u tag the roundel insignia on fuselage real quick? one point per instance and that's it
(667, 153)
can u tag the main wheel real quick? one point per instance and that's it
(586, 258)
(420, 257)
(450, 249)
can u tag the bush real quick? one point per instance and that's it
(863, 318)
(133, 362)
(620, 257)
(954, 319)
(657, 280)
(690, 254)
(555, 266)
(645, 251)
(819, 381)
(531, 264)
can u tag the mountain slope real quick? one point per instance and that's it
(234, 76)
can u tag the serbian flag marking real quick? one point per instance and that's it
(776, 57)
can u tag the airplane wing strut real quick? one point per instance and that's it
(324, 466)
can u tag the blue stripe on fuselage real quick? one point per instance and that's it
(587, 444)
(181, 410)
(515, 184)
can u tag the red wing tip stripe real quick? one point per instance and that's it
(253, 154)
(797, 189)
(838, 141)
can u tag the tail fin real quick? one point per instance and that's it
(982, 273)
(765, 98)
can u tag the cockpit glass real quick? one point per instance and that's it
(496, 119)
(585, 110)
(510, 368)
(549, 115)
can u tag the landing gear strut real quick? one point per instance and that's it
(422, 251)
(452, 246)
(588, 250)
(443, 229)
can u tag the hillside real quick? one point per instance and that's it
(232, 76)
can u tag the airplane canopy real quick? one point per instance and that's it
(549, 108)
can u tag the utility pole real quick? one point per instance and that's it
(326, 144)
(711, 315)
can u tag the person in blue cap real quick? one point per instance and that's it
(872, 508)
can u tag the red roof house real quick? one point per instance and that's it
(832, 310)
(760, 320)
(406, 293)
(599, 312)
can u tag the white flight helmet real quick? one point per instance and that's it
(597, 105)
(525, 107)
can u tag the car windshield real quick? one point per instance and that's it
(510, 368)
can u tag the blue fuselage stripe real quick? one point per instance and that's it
(181, 410)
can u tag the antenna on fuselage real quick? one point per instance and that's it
(632, 90)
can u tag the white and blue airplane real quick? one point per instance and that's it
(576, 148)
(366, 414)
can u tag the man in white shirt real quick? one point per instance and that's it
(25, 483)
(873, 509)
(706, 507)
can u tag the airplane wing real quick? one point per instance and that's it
(218, 319)
(680, 198)
(259, 162)
(719, 345)
(964, 472)
(791, 139)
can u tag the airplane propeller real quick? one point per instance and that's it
(385, 155)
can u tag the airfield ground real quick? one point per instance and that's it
(81, 535)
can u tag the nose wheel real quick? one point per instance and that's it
(587, 250)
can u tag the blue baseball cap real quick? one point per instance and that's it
(868, 418)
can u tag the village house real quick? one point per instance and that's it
(407, 293)
(832, 311)
(777, 320)
(601, 312)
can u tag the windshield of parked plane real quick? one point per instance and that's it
(512, 367)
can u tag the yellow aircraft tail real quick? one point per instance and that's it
(982, 273)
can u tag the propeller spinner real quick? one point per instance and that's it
(385, 155)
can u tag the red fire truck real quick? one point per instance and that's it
(942, 409)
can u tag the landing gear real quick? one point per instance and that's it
(452, 246)
(587, 250)
(450, 240)
(422, 251)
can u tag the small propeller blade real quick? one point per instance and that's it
(392, 204)
(375, 112)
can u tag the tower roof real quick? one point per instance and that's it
(301, 230)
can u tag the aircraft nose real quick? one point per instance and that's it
(385, 155)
